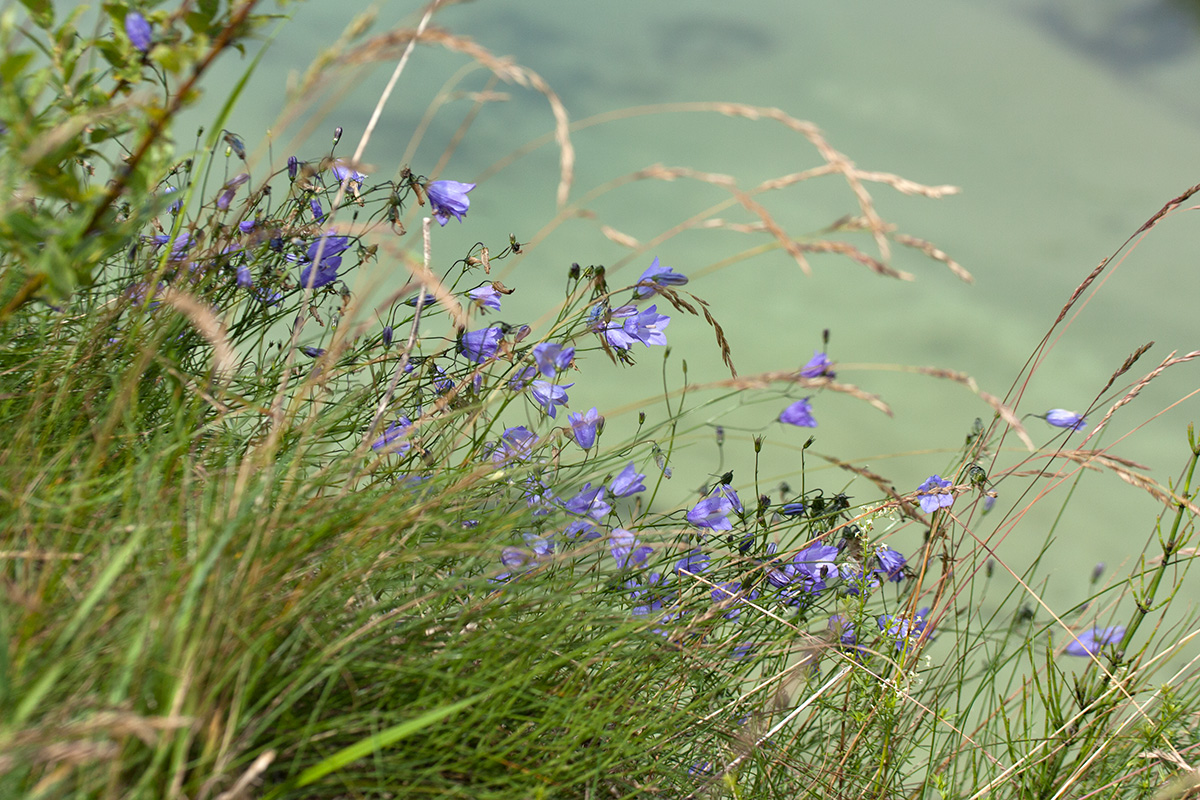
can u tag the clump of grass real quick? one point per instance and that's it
(266, 536)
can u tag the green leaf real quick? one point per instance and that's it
(41, 12)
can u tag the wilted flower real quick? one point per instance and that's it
(932, 502)
(449, 199)
(1090, 642)
(584, 427)
(481, 345)
(799, 414)
(656, 276)
(1061, 418)
(139, 32)
(820, 365)
(627, 482)
(549, 396)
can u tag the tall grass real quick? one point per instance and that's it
(266, 534)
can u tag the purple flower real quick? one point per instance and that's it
(387, 336)
(932, 502)
(799, 414)
(905, 632)
(1061, 418)
(552, 358)
(891, 564)
(230, 189)
(331, 259)
(449, 199)
(589, 503)
(549, 396)
(584, 427)
(318, 213)
(138, 30)
(485, 297)
(730, 494)
(479, 346)
(244, 279)
(341, 171)
(1090, 642)
(176, 205)
(712, 513)
(627, 482)
(246, 225)
(394, 438)
(515, 443)
(820, 365)
(523, 376)
(312, 352)
(656, 276)
(693, 563)
(626, 550)
(988, 502)
(179, 245)
(795, 509)
(626, 325)
(814, 566)
(293, 164)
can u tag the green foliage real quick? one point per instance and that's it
(251, 545)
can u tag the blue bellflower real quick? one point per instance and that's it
(549, 396)
(819, 366)
(449, 199)
(485, 297)
(481, 345)
(712, 513)
(584, 427)
(1091, 642)
(799, 414)
(394, 438)
(139, 32)
(932, 502)
(551, 358)
(331, 259)
(628, 482)
(656, 276)
(626, 550)
(1061, 418)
